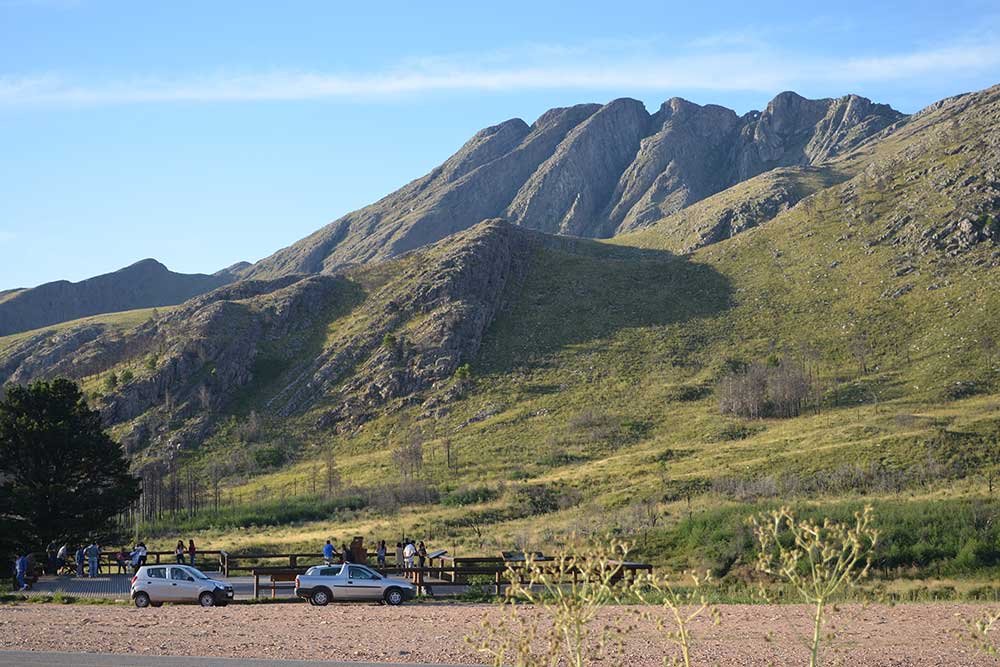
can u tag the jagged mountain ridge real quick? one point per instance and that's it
(145, 284)
(589, 170)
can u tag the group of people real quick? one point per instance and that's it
(408, 554)
(85, 560)
(179, 551)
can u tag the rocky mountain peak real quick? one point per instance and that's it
(587, 170)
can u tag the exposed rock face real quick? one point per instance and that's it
(142, 285)
(452, 295)
(476, 183)
(588, 170)
(734, 210)
(186, 365)
(568, 192)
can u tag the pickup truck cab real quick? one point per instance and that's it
(351, 582)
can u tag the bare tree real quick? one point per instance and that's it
(249, 429)
(989, 347)
(408, 455)
(744, 394)
(787, 388)
(449, 456)
(333, 480)
(861, 349)
(204, 397)
(215, 473)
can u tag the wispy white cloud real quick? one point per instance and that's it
(735, 63)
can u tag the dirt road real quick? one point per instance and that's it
(917, 634)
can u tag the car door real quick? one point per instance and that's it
(335, 578)
(156, 584)
(362, 583)
(182, 585)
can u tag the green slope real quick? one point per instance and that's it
(592, 403)
(594, 391)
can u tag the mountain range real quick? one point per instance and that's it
(469, 312)
(588, 170)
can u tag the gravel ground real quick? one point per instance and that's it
(905, 635)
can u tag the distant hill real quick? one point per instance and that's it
(144, 284)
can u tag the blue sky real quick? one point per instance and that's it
(204, 133)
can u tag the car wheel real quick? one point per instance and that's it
(141, 600)
(320, 598)
(394, 597)
(206, 599)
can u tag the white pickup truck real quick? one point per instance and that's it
(349, 582)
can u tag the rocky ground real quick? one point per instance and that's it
(905, 635)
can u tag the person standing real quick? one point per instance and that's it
(380, 554)
(136, 558)
(191, 551)
(50, 558)
(399, 554)
(328, 552)
(79, 561)
(61, 557)
(422, 554)
(21, 571)
(93, 554)
(409, 551)
(345, 554)
(179, 552)
(121, 558)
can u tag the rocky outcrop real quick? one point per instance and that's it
(418, 329)
(734, 210)
(587, 170)
(144, 284)
(568, 192)
(185, 366)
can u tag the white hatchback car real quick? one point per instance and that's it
(153, 585)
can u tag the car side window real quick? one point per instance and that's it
(361, 573)
(157, 573)
(177, 574)
(330, 571)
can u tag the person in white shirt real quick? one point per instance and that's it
(409, 551)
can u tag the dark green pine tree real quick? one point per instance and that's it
(62, 478)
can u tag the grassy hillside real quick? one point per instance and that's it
(113, 321)
(592, 403)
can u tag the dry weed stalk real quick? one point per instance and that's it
(816, 559)
(566, 595)
(683, 604)
(979, 633)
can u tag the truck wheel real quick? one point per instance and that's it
(206, 599)
(141, 600)
(394, 597)
(320, 598)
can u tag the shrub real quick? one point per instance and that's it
(470, 495)
(778, 388)
(268, 456)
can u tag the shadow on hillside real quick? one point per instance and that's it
(577, 291)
